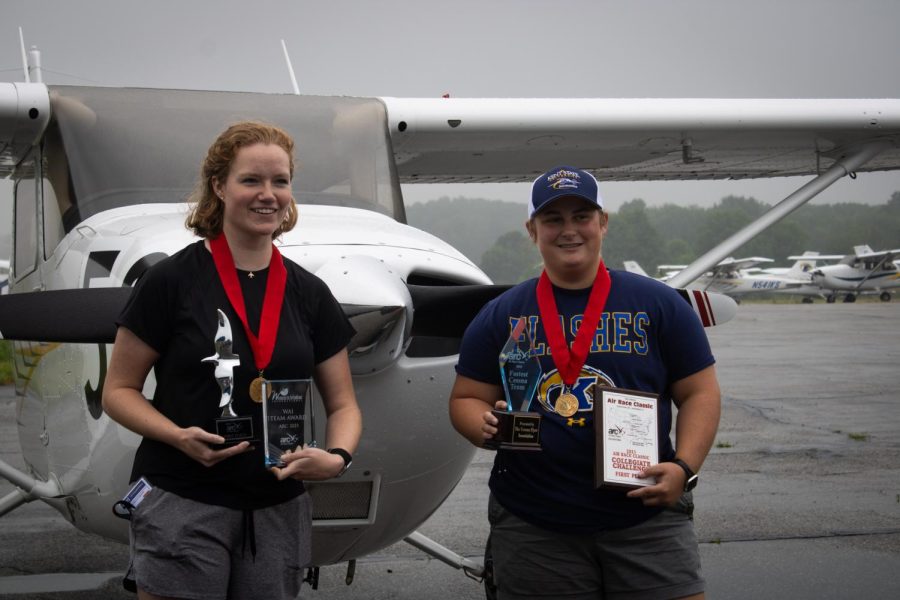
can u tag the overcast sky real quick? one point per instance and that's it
(479, 48)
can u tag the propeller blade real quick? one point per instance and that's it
(446, 310)
(82, 316)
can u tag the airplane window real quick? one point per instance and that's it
(60, 209)
(25, 216)
(54, 231)
(138, 146)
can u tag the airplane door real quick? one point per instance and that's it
(25, 276)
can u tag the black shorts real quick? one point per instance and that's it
(656, 559)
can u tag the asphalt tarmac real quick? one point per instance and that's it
(799, 499)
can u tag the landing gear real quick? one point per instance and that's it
(850, 298)
(830, 298)
(885, 296)
(807, 300)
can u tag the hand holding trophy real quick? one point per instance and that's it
(520, 371)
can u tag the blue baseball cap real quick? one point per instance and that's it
(560, 182)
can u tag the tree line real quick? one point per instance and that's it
(491, 232)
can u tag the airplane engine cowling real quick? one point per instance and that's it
(379, 307)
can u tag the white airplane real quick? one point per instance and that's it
(99, 173)
(863, 271)
(738, 277)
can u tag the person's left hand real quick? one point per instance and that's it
(668, 487)
(309, 464)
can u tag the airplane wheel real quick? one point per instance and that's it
(850, 298)
(830, 299)
(807, 300)
(490, 590)
(885, 296)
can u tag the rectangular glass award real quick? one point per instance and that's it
(626, 423)
(288, 417)
(520, 372)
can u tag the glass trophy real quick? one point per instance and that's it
(520, 371)
(287, 414)
(229, 425)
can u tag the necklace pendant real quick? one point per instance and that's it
(250, 274)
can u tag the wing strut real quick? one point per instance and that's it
(27, 488)
(845, 166)
(872, 271)
(425, 544)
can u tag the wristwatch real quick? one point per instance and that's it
(690, 478)
(348, 459)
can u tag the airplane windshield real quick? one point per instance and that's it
(118, 147)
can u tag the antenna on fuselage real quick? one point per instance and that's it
(287, 59)
(24, 57)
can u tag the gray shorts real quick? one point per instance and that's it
(656, 559)
(186, 549)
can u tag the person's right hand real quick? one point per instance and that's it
(489, 427)
(196, 442)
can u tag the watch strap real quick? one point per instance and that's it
(690, 478)
(346, 456)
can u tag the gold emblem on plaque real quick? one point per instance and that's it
(567, 405)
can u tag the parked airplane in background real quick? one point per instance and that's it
(864, 271)
(805, 263)
(99, 173)
(738, 277)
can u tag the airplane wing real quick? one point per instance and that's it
(733, 265)
(887, 255)
(817, 257)
(514, 139)
(445, 140)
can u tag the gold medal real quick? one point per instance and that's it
(256, 389)
(567, 405)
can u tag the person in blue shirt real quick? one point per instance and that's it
(553, 533)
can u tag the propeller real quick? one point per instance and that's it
(88, 315)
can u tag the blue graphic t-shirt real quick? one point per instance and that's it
(648, 338)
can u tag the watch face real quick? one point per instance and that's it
(691, 483)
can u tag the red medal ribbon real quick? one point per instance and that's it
(264, 345)
(567, 362)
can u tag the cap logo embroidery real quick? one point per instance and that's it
(564, 180)
(564, 184)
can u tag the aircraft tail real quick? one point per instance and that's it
(633, 267)
(801, 269)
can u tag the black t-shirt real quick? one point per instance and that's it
(173, 310)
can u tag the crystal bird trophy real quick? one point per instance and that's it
(520, 371)
(229, 425)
